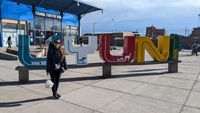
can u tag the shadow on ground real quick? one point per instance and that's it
(85, 78)
(19, 103)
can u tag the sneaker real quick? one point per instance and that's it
(58, 95)
(55, 97)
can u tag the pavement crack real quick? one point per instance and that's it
(195, 82)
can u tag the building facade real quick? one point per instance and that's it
(117, 38)
(153, 32)
(195, 32)
(39, 23)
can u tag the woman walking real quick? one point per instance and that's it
(56, 64)
(9, 42)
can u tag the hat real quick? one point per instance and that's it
(55, 38)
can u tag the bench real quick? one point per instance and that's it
(106, 68)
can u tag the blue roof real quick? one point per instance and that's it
(67, 6)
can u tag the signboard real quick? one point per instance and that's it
(159, 54)
(174, 47)
(80, 52)
(128, 53)
(25, 56)
(134, 50)
(49, 15)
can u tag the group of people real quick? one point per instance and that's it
(195, 48)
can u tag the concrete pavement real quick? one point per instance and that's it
(132, 89)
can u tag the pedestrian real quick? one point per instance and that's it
(56, 64)
(81, 41)
(9, 42)
(195, 48)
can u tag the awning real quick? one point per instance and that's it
(67, 6)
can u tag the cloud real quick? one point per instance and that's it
(172, 14)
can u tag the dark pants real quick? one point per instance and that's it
(195, 52)
(55, 78)
(9, 45)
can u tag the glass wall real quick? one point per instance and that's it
(71, 31)
(30, 30)
(40, 29)
(14, 18)
(18, 19)
(49, 25)
(46, 25)
(57, 25)
(12, 28)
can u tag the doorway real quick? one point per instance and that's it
(13, 35)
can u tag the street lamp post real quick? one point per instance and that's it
(187, 32)
(114, 32)
(94, 25)
(115, 27)
(114, 23)
(198, 19)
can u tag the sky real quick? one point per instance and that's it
(135, 15)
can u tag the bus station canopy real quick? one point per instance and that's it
(67, 6)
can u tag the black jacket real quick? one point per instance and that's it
(54, 57)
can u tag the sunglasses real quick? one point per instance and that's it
(57, 42)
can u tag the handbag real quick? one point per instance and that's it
(59, 67)
(62, 69)
(49, 84)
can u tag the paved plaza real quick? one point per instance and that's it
(132, 89)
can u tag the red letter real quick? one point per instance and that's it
(128, 53)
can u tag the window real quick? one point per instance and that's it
(57, 25)
(71, 31)
(9, 24)
(39, 23)
(22, 27)
(49, 24)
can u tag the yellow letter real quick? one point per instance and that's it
(159, 54)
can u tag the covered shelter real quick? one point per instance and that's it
(75, 7)
(57, 9)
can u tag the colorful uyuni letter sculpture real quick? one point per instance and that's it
(128, 53)
(24, 53)
(159, 54)
(174, 47)
(81, 52)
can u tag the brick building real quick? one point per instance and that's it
(153, 32)
(195, 32)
